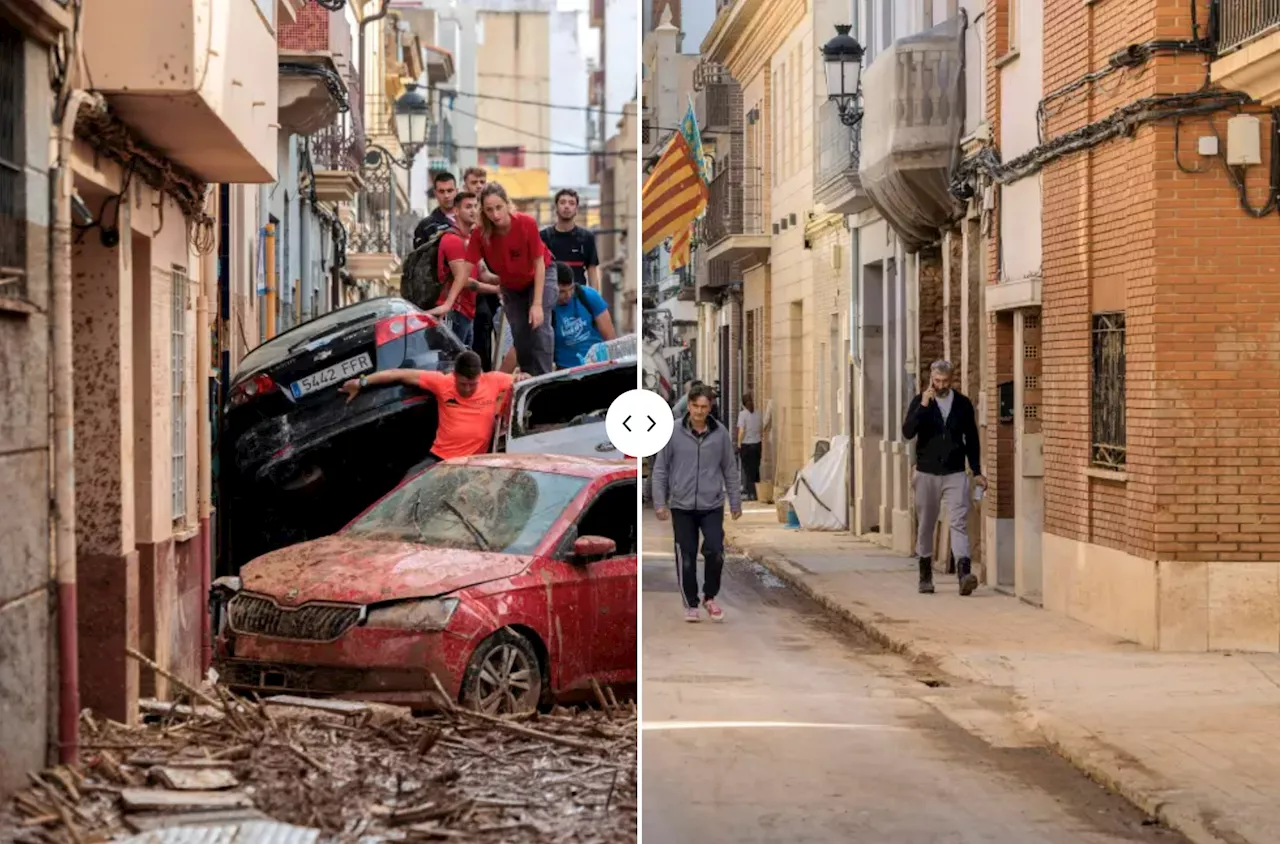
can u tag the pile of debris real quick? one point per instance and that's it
(338, 771)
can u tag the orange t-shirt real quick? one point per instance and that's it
(465, 425)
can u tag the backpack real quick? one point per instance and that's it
(420, 274)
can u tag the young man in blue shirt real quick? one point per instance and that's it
(581, 319)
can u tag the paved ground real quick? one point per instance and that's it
(1192, 738)
(784, 724)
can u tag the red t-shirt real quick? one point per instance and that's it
(511, 256)
(465, 425)
(454, 248)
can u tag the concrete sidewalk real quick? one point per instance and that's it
(1193, 739)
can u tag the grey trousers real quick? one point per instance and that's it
(535, 350)
(931, 492)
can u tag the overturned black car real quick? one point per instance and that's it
(296, 460)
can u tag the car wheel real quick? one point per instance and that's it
(504, 676)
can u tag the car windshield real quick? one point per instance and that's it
(582, 398)
(281, 346)
(472, 507)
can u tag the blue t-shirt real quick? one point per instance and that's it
(576, 330)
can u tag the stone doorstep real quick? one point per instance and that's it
(1173, 807)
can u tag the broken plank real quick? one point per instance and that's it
(195, 779)
(159, 799)
(168, 820)
(338, 707)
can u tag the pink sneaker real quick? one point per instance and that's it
(692, 615)
(713, 610)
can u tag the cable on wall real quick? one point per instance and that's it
(1122, 122)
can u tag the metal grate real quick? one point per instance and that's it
(13, 194)
(255, 615)
(1107, 411)
(1241, 21)
(178, 360)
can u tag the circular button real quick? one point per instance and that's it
(639, 423)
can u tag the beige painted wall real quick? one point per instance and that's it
(514, 62)
(791, 126)
(1021, 86)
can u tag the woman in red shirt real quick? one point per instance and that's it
(511, 246)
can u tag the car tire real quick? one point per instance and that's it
(504, 676)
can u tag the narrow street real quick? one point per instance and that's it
(782, 723)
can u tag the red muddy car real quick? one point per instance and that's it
(510, 577)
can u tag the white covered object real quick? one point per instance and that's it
(820, 495)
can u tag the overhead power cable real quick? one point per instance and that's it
(449, 92)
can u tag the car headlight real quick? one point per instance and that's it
(430, 614)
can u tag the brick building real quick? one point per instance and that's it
(1136, 312)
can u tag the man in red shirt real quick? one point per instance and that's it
(457, 301)
(468, 402)
(511, 246)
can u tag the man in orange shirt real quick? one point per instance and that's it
(468, 403)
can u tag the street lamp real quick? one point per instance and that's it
(413, 117)
(842, 56)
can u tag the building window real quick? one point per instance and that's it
(1107, 399)
(13, 194)
(178, 359)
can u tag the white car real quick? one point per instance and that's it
(563, 412)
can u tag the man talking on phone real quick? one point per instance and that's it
(945, 428)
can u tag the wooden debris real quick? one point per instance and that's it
(194, 779)
(350, 770)
(160, 799)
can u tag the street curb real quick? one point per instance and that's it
(1102, 763)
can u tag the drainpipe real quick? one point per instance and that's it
(64, 456)
(208, 292)
(270, 306)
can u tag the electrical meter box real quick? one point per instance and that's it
(1244, 141)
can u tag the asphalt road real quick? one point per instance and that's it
(781, 724)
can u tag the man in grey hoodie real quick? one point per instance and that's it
(691, 476)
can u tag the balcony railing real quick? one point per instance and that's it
(714, 105)
(736, 204)
(1240, 21)
(336, 149)
(376, 230)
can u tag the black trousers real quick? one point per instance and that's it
(751, 453)
(482, 332)
(687, 525)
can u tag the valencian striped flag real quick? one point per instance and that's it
(676, 191)
(682, 249)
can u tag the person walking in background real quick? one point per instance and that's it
(692, 475)
(945, 427)
(509, 243)
(457, 301)
(571, 244)
(581, 319)
(750, 445)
